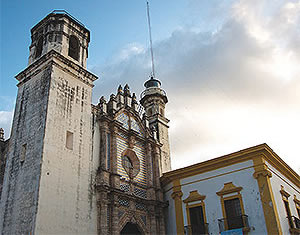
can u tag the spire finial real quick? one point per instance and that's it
(120, 89)
(126, 90)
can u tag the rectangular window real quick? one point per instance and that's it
(297, 204)
(288, 212)
(197, 220)
(233, 213)
(69, 140)
(23, 153)
(285, 197)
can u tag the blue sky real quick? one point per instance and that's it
(230, 68)
(113, 24)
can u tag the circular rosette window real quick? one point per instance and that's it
(131, 163)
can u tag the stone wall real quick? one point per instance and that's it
(22, 175)
(66, 196)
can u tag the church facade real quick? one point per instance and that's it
(77, 168)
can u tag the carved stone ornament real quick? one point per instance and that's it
(264, 173)
(131, 163)
(176, 195)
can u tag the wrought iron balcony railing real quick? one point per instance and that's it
(233, 223)
(294, 222)
(153, 90)
(199, 230)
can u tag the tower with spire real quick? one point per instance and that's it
(154, 100)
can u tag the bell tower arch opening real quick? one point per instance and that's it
(131, 229)
(61, 32)
(73, 47)
(39, 47)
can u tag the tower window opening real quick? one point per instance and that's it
(39, 47)
(73, 47)
(23, 153)
(69, 140)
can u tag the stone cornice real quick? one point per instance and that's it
(160, 119)
(48, 19)
(49, 59)
(262, 150)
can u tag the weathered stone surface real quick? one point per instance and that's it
(21, 182)
(48, 187)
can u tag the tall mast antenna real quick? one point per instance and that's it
(150, 37)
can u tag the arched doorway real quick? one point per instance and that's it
(131, 229)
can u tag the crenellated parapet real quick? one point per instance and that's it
(122, 100)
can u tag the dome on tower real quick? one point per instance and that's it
(152, 82)
(153, 89)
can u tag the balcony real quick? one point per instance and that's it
(200, 230)
(234, 223)
(294, 223)
(152, 91)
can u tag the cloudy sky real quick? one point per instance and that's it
(230, 68)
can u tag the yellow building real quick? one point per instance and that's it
(252, 191)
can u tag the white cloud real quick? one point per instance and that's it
(6, 122)
(229, 88)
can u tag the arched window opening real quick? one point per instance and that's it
(73, 47)
(131, 228)
(39, 47)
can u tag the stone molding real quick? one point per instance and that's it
(50, 56)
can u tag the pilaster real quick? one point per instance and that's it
(156, 166)
(103, 144)
(177, 197)
(152, 220)
(102, 205)
(114, 215)
(263, 175)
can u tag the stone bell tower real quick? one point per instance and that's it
(154, 100)
(47, 186)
